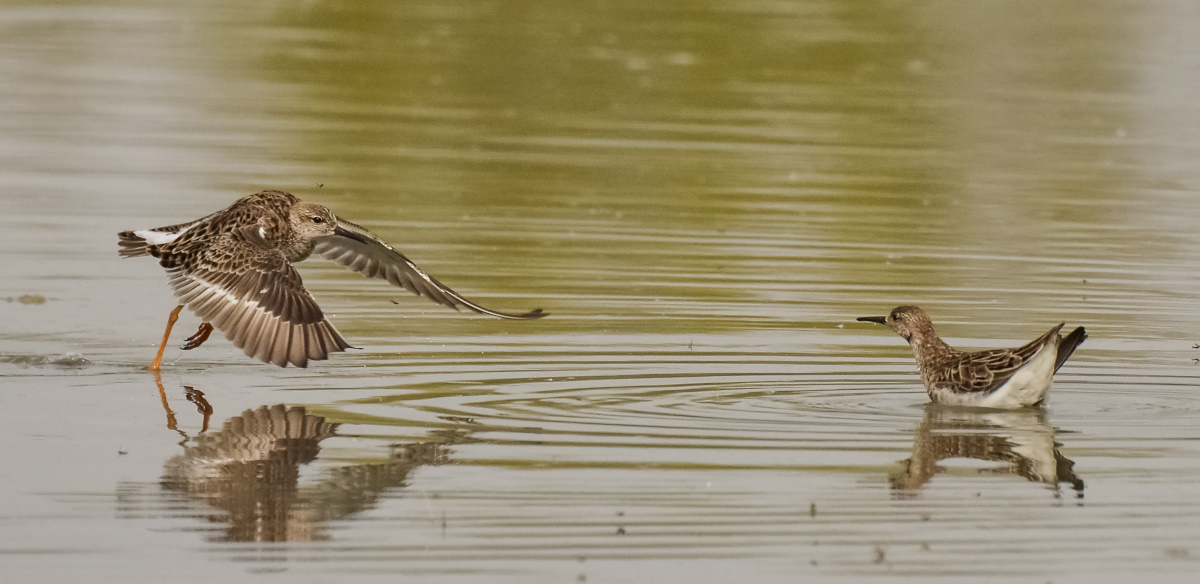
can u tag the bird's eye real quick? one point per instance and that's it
(317, 219)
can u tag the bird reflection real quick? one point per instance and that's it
(249, 470)
(1022, 440)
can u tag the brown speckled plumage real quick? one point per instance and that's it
(972, 378)
(233, 268)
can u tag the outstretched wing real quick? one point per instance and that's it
(358, 249)
(250, 292)
(986, 371)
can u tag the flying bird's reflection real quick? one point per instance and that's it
(250, 469)
(1022, 441)
(249, 473)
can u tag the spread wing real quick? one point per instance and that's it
(986, 371)
(250, 292)
(358, 249)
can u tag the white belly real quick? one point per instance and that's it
(1028, 385)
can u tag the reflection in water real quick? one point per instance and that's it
(250, 469)
(193, 395)
(1022, 439)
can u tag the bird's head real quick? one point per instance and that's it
(906, 321)
(310, 220)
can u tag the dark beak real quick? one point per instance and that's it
(342, 231)
(876, 319)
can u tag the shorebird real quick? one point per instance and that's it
(998, 378)
(233, 268)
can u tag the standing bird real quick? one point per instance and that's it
(234, 270)
(999, 378)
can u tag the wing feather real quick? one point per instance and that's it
(258, 301)
(986, 371)
(1068, 345)
(298, 354)
(361, 251)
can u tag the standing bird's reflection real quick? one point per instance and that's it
(1022, 440)
(250, 470)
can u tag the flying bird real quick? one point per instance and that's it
(233, 268)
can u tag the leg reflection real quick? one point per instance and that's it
(162, 394)
(197, 397)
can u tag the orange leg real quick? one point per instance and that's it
(157, 363)
(198, 339)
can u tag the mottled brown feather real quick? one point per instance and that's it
(229, 275)
(982, 371)
(233, 268)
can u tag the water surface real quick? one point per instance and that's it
(704, 196)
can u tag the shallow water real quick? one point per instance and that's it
(704, 196)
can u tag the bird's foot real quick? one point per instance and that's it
(198, 339)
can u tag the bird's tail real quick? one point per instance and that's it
(1067, 346)
(132, 245)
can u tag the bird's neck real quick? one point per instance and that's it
(929, 349)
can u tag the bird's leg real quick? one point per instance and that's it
(157, 363)
(198, 339)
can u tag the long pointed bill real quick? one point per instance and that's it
(875, 319)
(342, 231)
